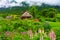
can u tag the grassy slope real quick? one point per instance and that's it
(55, 25)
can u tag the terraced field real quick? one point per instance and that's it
(55, 25)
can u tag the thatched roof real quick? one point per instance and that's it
(26, 15)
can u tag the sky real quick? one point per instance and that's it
(8, 3)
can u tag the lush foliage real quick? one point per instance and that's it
(14, 28)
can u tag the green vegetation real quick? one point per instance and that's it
(45, 18)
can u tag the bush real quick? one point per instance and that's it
(46, 26)
(51, 19)
(18, 36)
(57, 31)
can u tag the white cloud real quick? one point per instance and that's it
(14, 4)
(19, 1)
(2, 2)
(51, 2)
(7, 2)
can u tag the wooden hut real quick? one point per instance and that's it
(26, 15)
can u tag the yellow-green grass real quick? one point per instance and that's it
(55, 25)
(58, 15)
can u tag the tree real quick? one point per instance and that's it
(52, 12)
(25, 4)
(44, 13)
(33, 10)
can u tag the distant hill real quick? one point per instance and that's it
(20, 9)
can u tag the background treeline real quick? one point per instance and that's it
(34, 9)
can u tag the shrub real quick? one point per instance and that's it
(51, 19)
(57, 31)
(18, 36)
(46, 26)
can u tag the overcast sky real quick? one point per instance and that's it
(38, 2)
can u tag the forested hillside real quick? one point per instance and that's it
(20, 9)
